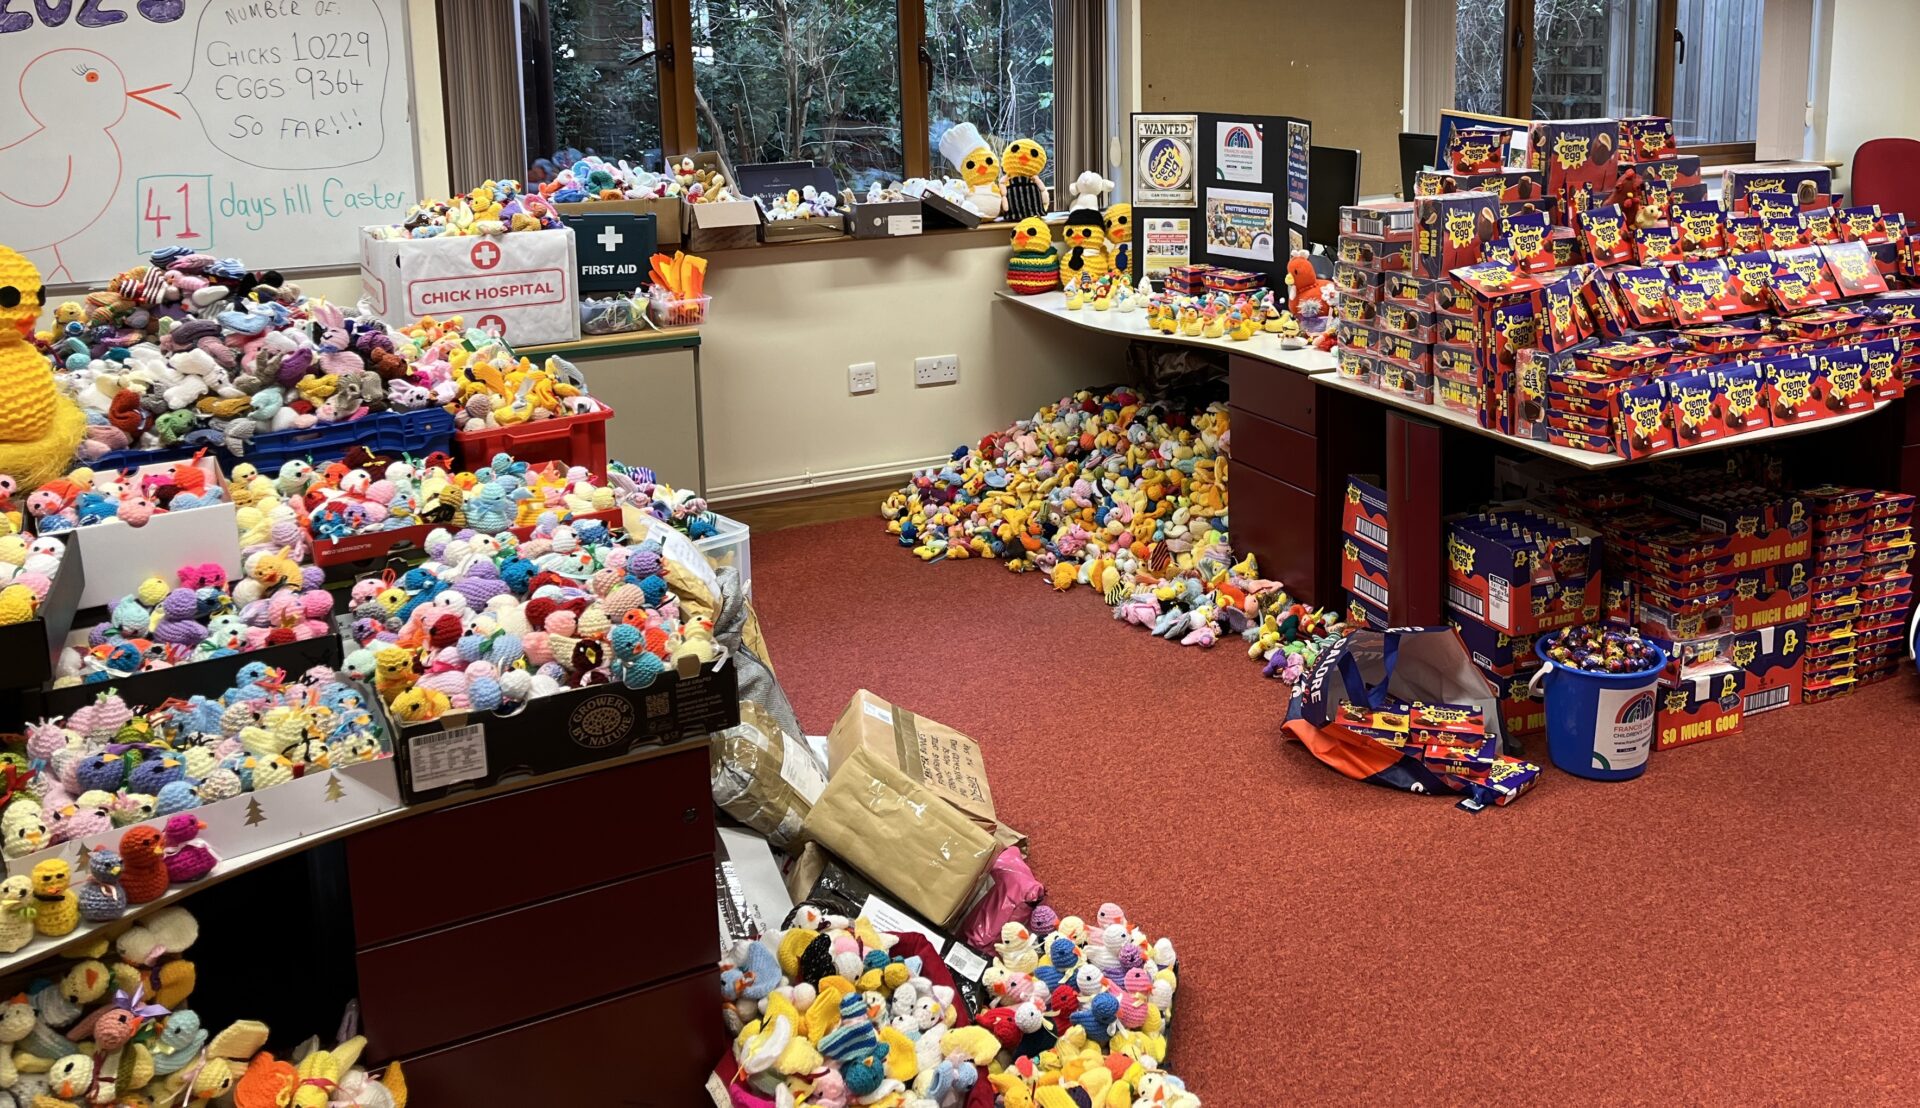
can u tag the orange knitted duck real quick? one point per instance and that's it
(39, 428)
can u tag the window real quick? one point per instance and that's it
(864, 87)
(990, 62)
(781, 80)
(1694, 60)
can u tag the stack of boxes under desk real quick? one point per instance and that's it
(531, 947)
(1363, 552)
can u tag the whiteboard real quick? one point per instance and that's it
(263, 130)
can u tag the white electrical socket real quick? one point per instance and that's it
(943, 369)
(864, 377)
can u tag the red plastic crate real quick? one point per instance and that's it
(379, 544)
(578, 440)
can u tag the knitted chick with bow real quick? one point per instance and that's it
(39, 428)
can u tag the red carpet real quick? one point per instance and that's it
(1737, 926)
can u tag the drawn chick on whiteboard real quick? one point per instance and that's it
(59, 180)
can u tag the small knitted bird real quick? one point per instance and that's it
(188, 858)
(16, 913)
(102, 898)
(143, 868)
(57, 911)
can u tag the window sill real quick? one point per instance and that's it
(1005, 231)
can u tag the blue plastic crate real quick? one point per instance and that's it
(416, 433)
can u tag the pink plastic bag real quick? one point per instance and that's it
(1013, 894)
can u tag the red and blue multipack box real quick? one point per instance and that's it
(1796, 391)
(1808, 185)
(1774, 659)
(1364, 513)
(1579, 158)
(1362, 614)
(1819, 226)
(1749, 276)
(1647, 138)
(1698, 402)
(1645, 295)
(1702, 228)
(1771, 595)
(1801, 280)
(1706, 706)
(1853, 269)
(1745, 391)
(1450, 230)
(1522, 572)
(1862, 224)
(1497, 653)
(1746, 233)
(1363, 571)
(1849, 384)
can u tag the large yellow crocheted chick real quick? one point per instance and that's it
(39, 428)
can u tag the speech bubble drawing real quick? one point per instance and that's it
(291, 84)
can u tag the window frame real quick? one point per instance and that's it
(1519, 75)
(674, 69)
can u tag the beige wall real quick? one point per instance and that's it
(1338, 63)
(1871, 88)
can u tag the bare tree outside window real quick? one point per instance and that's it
(606, 88)
(992, 66)
(1480, 57)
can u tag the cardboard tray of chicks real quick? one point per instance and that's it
(798, 201)
(462, 750)
(32, 646)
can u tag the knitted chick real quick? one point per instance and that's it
(143, 867)
(16, 915)
(39, 428)
(102, 898)
(57, 910)
(188, 858)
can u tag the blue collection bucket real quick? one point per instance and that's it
(1599, 725)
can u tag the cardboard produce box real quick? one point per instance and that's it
(521, 286)
(669, 213)
(724, 224)
(903, 835)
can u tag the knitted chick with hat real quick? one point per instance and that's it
(39, 428)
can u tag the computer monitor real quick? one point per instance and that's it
(1416, 153)
(1333, 182)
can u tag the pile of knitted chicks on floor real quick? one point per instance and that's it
(488, 622)
(191, 350)
(1124, 492)
(111, 1026)
(828, 1014)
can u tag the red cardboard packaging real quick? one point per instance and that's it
(1745, 390)
(1580, 158)
(1451, 229)
(1774, 659)
(1704, 707)
(1363, 515)
(1604, 232)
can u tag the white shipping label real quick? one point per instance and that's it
(447, 757)
(903, 225)
(798, 769)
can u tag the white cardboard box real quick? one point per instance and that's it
(261, 820)
(117, 557)
(521, 286)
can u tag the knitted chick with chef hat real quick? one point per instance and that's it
(971, 158)
(39, 428)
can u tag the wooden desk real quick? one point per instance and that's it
(1299, 429)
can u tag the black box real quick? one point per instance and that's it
(768, 180)
(886, 219)
(209, 678)
(32, 648)
(613, 250)
(577, 727)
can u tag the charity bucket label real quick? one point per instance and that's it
(1623, 728)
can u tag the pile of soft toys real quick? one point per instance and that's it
(87, 496)
(112, 1028)
(167, 355)
(827, 1014)
(379, 495)
(482, 381)
(1235, 316)
(493, 208)
(27, 569)
(489, 622)
(683, 509)
(158, 625)
(107, 767)
(1123, 493)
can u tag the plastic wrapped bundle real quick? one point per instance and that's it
(764, 777)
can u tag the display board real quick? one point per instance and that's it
(263, 130)
(1247, 179)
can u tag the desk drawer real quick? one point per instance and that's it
(1273, 448)
(447, 985)
(648, 1049)
(1283, 395)
(524, 847)
(1282, 526)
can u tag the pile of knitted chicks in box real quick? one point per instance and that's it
(107, 770)
(573, 178)
(191, 350)
(111, 1026)
(826, 1014)
(27, 569)
(492, 208)
(1124, 493)
(367, 494)
(490, 621)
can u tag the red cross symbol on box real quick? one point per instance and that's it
(493, 325)
(485, 254)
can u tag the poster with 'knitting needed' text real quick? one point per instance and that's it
(264, 130)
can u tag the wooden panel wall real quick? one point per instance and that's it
(1340, 64)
